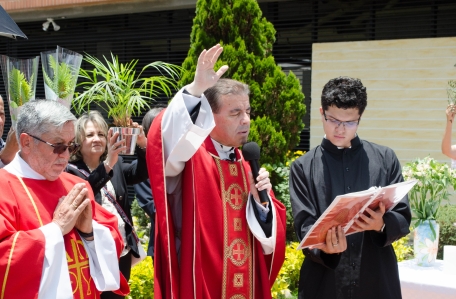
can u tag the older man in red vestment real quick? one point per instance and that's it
(214, 239)
(56, 242)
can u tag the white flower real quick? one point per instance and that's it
(430, 249)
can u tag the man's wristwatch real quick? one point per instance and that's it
(383, 227)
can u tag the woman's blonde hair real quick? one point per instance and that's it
(98, 121)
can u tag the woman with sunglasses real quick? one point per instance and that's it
(97, 160)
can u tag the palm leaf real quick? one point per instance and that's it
(19, 88)
(119, 88)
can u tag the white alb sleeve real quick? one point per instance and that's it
(181, 137)
(268, 244)
(55, 278)
(103, 261)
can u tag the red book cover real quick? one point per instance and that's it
(344, 209)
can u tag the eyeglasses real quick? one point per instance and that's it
(59, 148)
(347, 124)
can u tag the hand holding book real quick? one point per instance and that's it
(344, 209)
(336, 241)
(370, 220)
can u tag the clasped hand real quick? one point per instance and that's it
(74, 210)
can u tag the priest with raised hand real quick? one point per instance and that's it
(213, 237)
(55, 241)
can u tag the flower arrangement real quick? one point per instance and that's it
(434, 179)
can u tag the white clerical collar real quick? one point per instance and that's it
(340, 147)
(20, 168)
(223, 150)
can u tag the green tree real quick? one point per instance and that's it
(247, 38)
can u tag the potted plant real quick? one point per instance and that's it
(20, 77)
(119, 90)
(60, 74)
(434, 180)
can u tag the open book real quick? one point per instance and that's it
(344, 208)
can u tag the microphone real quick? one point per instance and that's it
(251, 153)
(232, 157)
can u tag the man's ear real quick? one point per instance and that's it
(25, 143)
(321, 110)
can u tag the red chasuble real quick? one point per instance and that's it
(219, 257)
(22, 245)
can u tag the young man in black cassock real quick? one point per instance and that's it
(362, 265)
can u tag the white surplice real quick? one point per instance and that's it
(55, 280)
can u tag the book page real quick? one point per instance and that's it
(390, 196)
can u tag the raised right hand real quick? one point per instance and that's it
(450, 111)
(114, 148)
(11, 147)
(70, 207)
(205, 75)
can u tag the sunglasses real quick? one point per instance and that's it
(59, 148)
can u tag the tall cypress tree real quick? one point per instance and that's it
(247, 38)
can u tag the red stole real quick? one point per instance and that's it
(27, 215)
(219, 258)
(237, 239)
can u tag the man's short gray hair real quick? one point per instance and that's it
(223, 87)
(40, 116)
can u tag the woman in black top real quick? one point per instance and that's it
(98, 162)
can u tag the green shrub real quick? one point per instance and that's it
(141, 222)
(403, 249)
(279, 174)
(247, 38)
(446, 219)
(286, 284)
(142, 280)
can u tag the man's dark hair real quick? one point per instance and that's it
(345, 93)
(150, 116)
(223, 87)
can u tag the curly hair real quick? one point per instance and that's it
(345, 93)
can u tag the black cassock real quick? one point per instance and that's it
(368, 268)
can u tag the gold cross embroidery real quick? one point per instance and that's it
(233, 170)
(237, 224)
(238, 280)
(239, 252)
(236, 196)
(80, 262)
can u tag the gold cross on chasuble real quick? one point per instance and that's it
(237, 262)
(78, 266)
